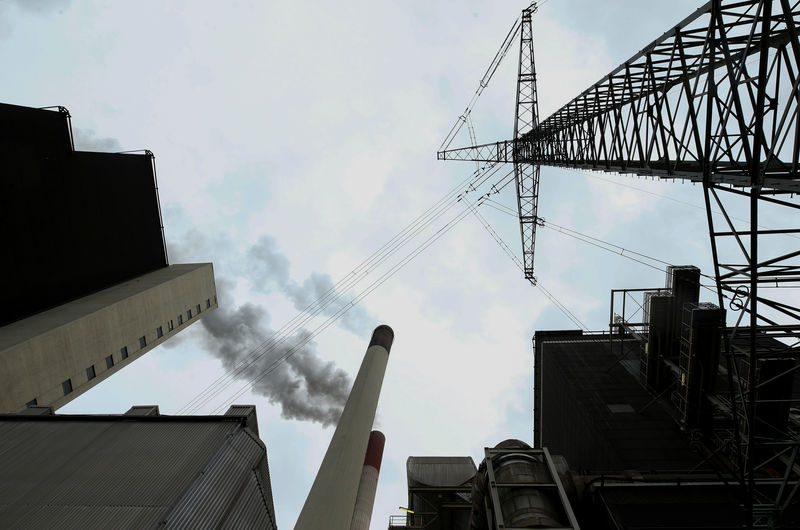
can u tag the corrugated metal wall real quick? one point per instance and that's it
(129, 473)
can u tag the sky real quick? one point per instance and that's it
(292, 141)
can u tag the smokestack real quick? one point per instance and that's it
(332, 499)
(362, 514)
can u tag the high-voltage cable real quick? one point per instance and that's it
(599, 243)
(369, 289)
(335, 292)
(484, 82)
(352, 278)
(333, 295)
(593, 175)
(535, 282)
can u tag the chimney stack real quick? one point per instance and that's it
(332, 499)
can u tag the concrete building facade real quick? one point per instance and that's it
(86, 282)
(54, 356)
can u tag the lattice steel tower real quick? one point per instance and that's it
(715, 100)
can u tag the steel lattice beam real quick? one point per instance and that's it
(654, 115)
(714, 100)
(526, 119)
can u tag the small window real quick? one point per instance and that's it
(208, 303)
(90, 373)
(198, 309)
(215, 300)
(189, 315)
(109, 361)
(142, 342)
(180, 319)
(170, 326)
(159, 332)
(66, 386)
(32, 403)
(123, 352)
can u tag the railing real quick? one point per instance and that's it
(409, 521)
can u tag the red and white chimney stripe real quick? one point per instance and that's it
(362, 513)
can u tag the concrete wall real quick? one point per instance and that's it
(39, 353)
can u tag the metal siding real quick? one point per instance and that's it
(206, 503)
(580, 379)
(121, 472)
(89, 517)
(250, 510)
(440, 471)
(265, 486)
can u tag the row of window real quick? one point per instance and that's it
(189, 315)
(91, 373)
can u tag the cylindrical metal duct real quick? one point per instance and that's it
(521, 507)
(365, 499)
(526, 507)
(332, 498)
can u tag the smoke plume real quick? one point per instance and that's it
(85, 140)
(306, 387)
(270, 269)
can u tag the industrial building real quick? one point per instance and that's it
(633, 428)
(135, 470)
(87, 287)
(718, 379)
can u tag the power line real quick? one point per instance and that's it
(499, 240)
(484, 82)
(377, 283)
(593, 175)
(355, 276)
(599, 243)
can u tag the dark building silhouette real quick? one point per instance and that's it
(633, 426)
(86, 284)
(74, 222)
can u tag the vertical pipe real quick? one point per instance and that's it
(332, 498)
(362, 513)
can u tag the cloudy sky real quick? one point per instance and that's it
(295, 139)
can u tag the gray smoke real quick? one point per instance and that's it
(85, 140)
(270, 269)
(306, 387)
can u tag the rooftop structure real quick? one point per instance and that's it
(438, 493)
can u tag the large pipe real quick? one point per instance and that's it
(332, 498)
(365, 499)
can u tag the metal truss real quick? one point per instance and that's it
(714, 100)
(526, 119)
(680, 108)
